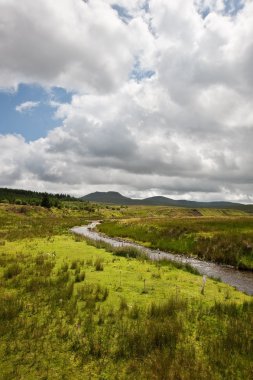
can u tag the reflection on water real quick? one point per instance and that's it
(241, 280)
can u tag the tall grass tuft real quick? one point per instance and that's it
(11, 271)
(169, 308)
(98, 264)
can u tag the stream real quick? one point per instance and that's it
(240, 279)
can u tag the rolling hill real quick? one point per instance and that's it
(113, 197)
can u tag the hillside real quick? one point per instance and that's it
(28, 196)
(114, 197)
(108, 197)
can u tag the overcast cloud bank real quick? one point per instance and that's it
(163, 96)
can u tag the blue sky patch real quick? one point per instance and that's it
(30, 122)
(146, 6)
(231, 8)
(138, 73)
(122, 13)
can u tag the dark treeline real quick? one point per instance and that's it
(18, 196)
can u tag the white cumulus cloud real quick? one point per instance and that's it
(181, 126)
(26, 106)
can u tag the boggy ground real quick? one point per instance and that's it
(221, 239)
(73, 311)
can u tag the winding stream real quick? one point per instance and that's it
(241, 280)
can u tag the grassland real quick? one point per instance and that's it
(72, 311)
(211, 235)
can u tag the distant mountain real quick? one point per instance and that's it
(113, 197)
(108, 197)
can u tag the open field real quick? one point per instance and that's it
(73, 311)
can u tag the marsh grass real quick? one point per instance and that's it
(225, 240)
(123, 251)
(53, 326)
(137, 253)
(179, 265)
(12, 270)
(47, 317)
(168, 309)
(98, 264)
(19, 222)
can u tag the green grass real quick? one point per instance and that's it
(133, 319)
(129, 272)
(69, 310)
(18, 222)
(226, 240)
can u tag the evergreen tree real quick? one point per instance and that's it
(45, 201)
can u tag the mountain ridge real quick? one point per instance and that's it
(114, 197)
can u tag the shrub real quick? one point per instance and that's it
(45, 202)
(6, 201)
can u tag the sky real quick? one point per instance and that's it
(144, 97)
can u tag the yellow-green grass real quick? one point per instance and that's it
(110, 323)
(170, 211)
(17, 222)
(59, 335)
(125, 277)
